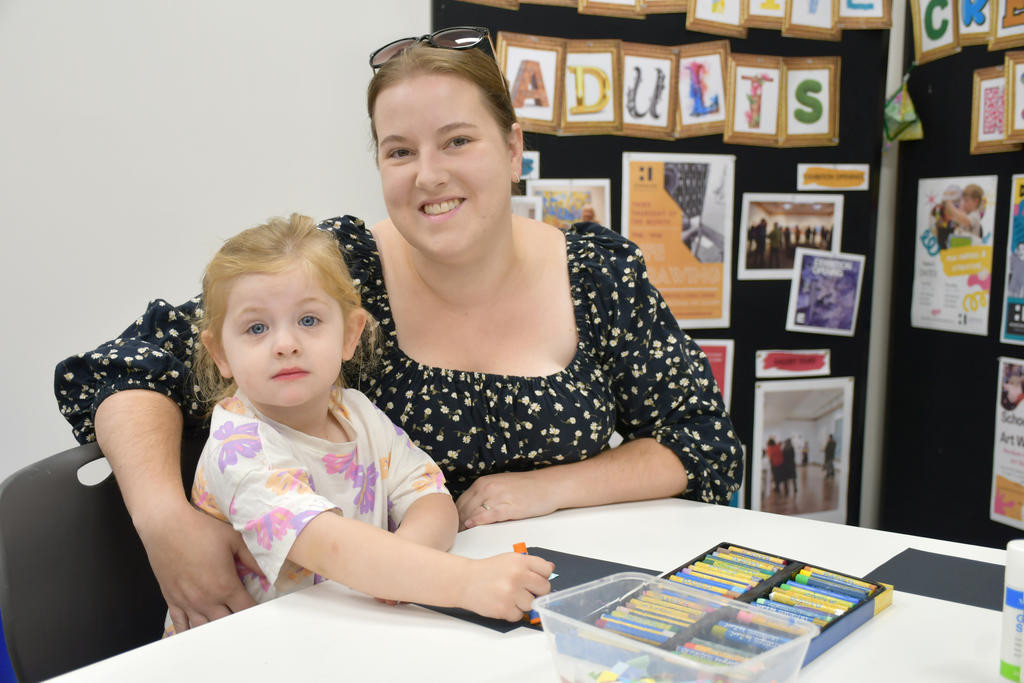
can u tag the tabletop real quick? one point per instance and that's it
(329, 632)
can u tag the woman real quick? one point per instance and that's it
(510, 351)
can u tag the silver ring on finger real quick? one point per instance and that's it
(485, 506)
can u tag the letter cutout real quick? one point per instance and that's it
(529, 85)
(659, 86)
(934, 33)
(864, 6)
(804, 96)
(1014, 15)
(605, 90)
(973, 12)
(698, 89)
(754, 99)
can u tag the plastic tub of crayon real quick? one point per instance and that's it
(635, 627)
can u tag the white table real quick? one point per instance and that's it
(328, 632)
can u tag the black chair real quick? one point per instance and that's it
(75, 582)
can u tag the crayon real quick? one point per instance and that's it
(699, 656)
(761, 556)
(645, 619)
(532, 616)
(703, 585)
(791, 612)
(826, 592)
(754, 572)
(838, 577)
(711, 580)
(809, 577)
(633, 631)
(747, 561)
(749, 636)
(660, 610)
(746, 577)
(721, 647)
(714, 651)
(816, 594)
(739, 586)
(800, 601)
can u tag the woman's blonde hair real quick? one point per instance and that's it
(269, 249)
(475, 66)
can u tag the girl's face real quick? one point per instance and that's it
(283, 341)
(969, 203)
(445, 165)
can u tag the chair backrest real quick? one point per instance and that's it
(75, 581)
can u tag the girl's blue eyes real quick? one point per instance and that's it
(257, 329)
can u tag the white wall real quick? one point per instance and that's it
(136, 134)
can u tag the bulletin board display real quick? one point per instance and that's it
(759, 308)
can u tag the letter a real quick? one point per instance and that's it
(529, 85)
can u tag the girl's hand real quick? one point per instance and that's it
(504, 586)
(507, 495)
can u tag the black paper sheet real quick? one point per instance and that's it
(957, 579)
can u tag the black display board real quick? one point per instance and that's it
(942, 386)
(758, 307)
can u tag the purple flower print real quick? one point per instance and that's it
(366, 489)
(243, 441)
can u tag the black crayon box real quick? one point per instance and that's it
(836, 602)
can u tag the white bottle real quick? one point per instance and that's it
(1011, 652)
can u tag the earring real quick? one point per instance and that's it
(515, 177)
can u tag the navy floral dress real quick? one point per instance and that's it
(634, 372)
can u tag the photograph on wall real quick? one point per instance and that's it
(528, 206)
(988, 113)
(678, 209)
(779, 363)
(1008, 451)
(773, 225)
(567, 201)
(720, 355)
(953, 254)
(825, 294)
(701, 80)
(800, 462)
(1012, 331)
(533, 67)
(648, 74)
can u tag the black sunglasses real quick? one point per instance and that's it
(455, 38)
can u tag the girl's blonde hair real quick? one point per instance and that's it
(975, 191)
(270, 249)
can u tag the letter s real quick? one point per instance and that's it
(804, 97)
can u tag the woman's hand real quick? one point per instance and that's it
(504, 586)
(507, 495)
(193, 557)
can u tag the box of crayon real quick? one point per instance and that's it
(633, 627)
(837, 603)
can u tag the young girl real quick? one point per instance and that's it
(313, 474)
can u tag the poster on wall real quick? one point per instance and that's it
(800, 461)
(720, 354)
(953, 254)
(1012, 331)
(1008, 456)
(565, 201)
(825, 294)
(678, 209)
(773, 226)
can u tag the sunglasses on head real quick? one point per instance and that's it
(455, 38)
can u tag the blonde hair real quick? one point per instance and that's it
(269, 249)
(977, 193)
(473, 65)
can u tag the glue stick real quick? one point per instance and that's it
(1011, 651)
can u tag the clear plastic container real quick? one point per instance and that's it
(725, 641)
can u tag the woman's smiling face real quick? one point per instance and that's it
(446, 166)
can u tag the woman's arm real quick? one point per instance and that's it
(191, 553)
(390, 567)
(636, 470)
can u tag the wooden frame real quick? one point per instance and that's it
(553, 3)
(810, 117)
(533, 66)
(665, 6)
(648, 74)
(930, 42)
(868, 14)
(754, 100)
(1013, 72)
(1002, 36)
(627, 9)
(706, 117)
(988, 112)
(971, 35)
(503, 4)
(814, 19)
(585, 62)
(769, 14)
(701, 17)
